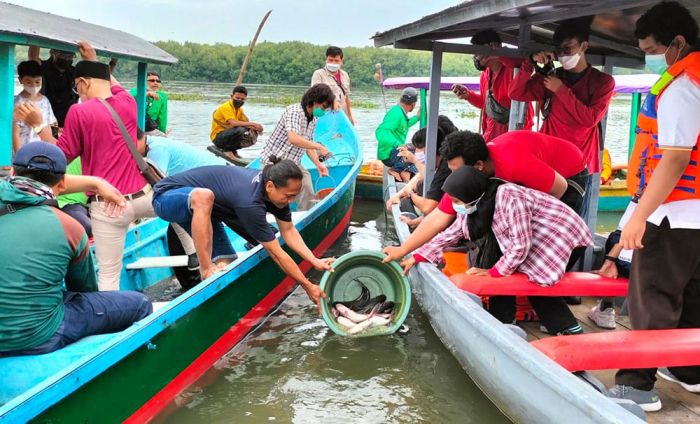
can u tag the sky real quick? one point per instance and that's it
(343, 23)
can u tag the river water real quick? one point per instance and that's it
(292, 369)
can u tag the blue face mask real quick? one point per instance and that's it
(462, 209)
(656, 63)
(319, 112)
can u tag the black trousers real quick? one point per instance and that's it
(228, 140)
(554, 313)
(664, 293)
(575, 192)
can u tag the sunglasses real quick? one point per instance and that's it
(154, 80)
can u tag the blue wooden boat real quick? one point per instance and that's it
(132, 375)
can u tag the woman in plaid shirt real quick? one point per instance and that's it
(536, 233)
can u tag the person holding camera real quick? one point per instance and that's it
(492, 98)
(573, 98)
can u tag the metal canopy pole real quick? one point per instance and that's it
(7, 88)
(519, 109)
(141, 95)
(433, 111)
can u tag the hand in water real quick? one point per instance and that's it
(315, 294)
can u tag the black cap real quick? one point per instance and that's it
(53, 158)
(466, 183)
(91, 69)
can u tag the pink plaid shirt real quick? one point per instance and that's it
(536, 233)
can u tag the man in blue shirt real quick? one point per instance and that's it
(173, 157)
(203, 199)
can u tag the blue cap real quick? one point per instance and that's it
(42, 156)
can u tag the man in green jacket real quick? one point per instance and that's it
(391, 135)
(156, 104)
(43, 248)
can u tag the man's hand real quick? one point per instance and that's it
(87, 52)
(460, 91)
(257, 127)
(393, 253)
(393, 200)
(632, 233)
(322, 170)
(407, 264)
(208, 271)
(114, 203)
(152, 94)
(325, 264)
(552, 83)
(417, 110)
(609, 269)
(407, 155)
(315, 294)
(412, 223)
(322, 149)
(543, 57)
(28, 113)
(478, 271)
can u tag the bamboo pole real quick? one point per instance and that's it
(250, 48)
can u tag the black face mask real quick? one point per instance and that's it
(478, 65)
(62, 63)
(238, 103)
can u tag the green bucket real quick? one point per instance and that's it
(366, 266)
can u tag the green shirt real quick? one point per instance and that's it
(392, 132)
(42, 247)
(157, 109)
(74, 168)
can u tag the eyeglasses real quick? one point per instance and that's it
(154, 80)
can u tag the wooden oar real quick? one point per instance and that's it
(250, 48)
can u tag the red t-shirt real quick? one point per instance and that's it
(500, 82)
(445, 205)
(530, 159)
(91, 133)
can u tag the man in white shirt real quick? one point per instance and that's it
(336, 78)
(665, 226)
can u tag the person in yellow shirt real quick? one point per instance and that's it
(229, 123)
(607, 172)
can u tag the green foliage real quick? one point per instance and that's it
(291, 63)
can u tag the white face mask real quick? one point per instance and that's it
(32, 90)
(570, 62)
(420, 156)
(333, 67)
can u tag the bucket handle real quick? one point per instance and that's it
(320, 177)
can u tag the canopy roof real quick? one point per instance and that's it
(20, 25)
(623, 83)
(612, 29)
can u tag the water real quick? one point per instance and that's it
(293, 369)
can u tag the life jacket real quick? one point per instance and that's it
(647, 153)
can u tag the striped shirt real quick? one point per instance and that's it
(293, 119)
(535, 231)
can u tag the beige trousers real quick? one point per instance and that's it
(109, 234)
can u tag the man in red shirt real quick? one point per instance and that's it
(492, 98)
(91, 133)
(574, 98)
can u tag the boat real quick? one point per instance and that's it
(526, 384)
(613, 197)
(132, 375)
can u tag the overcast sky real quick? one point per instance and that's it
(344, 23)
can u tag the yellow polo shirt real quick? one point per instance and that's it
(222, 115)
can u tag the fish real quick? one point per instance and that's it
(350, 314)
(345, 322)
(378, 321)
(387, 307)
(372, 302)
(360, 301)
(360, 327)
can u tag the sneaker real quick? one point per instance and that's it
(603, 318)
(543, 329)
(666, 374)
(572, 331)
(648, 400)
(192, 262)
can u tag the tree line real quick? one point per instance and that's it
(291, 63)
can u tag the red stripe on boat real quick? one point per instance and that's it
(229, 339)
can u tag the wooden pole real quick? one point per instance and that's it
(250, 49)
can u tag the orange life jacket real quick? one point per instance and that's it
(647, 153)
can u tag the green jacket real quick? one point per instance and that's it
(74, 168)
(41, 249)
(392, 132)
(157, 109)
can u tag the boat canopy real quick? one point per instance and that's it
(624, 84)
(612, 28)
(22, 26)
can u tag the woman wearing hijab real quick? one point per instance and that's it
(517, 229)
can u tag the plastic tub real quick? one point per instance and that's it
(366, 267)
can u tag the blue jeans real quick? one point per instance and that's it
(398, 164)
(87, 314)
(174, 206)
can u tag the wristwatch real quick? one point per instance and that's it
(38, 129)
(611, 258)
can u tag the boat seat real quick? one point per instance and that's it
(624, 349)
(296, 217)
(158, 262)
(572, 284)
(20, 373)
